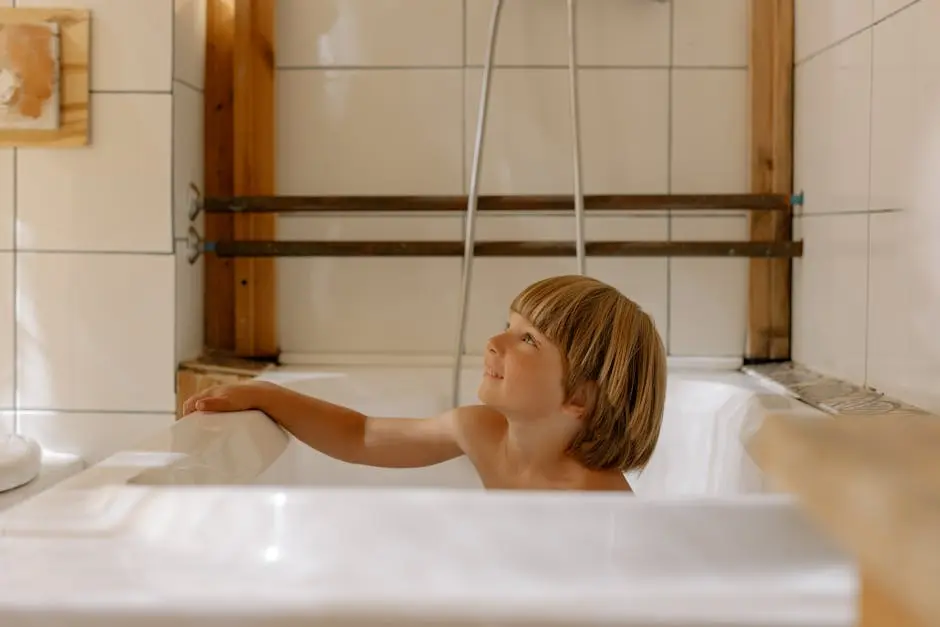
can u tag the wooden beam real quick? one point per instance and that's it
(254, 152)
(771, 157)
(280, 248)
(458, 204)
(219, 162)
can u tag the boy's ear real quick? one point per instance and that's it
(583, 399)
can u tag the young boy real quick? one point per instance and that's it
(572, 397)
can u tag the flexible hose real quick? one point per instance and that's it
(576, 138)
(472, 200)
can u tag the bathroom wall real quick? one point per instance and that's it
(89, 336)
(867, 144)
(380, 97)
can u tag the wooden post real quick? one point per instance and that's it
(771, 106)
(219, 162)
(254, 148)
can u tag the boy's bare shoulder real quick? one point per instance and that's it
(477, 426)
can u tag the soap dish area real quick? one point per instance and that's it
(26, 469)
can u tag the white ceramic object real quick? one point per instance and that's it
(263, 557)
(55, 467)
(20, 461)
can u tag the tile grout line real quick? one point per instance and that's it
(16, 299)
(855, 33)
(669, 137)
(173, 182)
(16, 361)
(187, 84)
(871, 125)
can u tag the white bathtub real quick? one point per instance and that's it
(700, 451)
(224, 520)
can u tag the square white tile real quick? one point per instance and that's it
(370, 132)
(528, 144)
(329, 305)
(189, 41)
(131, 43)
(7, 335)
(369, 33)
(618, 33)
(709, 131)
(190, 280)
(91, 436)
(821, 24)
(712, 33)
(368, 305)
(830, 311)
(708, 298)
(7, 418)
(113, 196)
(903, 305)
(188, 161)
(832, 127)
(905, 96)
(95, 332)
(7, 206)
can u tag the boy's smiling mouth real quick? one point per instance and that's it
(489, 372)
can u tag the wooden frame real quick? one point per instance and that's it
(74, 38)
(240, 306)
(771, 155)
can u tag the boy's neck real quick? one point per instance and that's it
(536, 447)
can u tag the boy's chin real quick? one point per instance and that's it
(489, 394)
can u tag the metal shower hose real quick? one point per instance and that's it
(472, 200)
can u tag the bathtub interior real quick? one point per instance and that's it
(701, 450)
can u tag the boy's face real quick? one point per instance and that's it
(523, 372)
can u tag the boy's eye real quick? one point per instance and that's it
(527, 337)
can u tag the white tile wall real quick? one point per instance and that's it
(7, 192)
(94, 436)
(187, 137)
(867, 292)
(95, 331)
(7, 333)
(710, 33)
(110, 197)
(822, 24)
(88, 270)
(360, 111)
(614, 33)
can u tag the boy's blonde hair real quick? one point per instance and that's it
(610, 344)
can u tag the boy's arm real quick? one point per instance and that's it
(348, 435)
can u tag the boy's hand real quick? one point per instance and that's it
(226, 398)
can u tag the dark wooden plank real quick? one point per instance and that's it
(313, 204)
(261, 249)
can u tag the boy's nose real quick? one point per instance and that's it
(491, 345)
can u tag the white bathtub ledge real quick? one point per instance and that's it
(446, 556)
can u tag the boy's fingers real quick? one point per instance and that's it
(212, 404)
